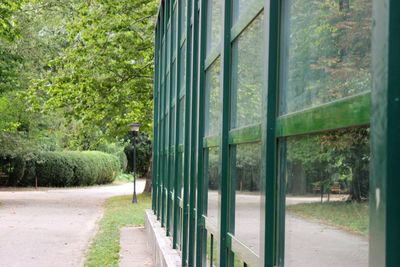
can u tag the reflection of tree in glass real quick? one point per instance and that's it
(214, 23)
(340, 156)
(213, 102)
(247, 75)
(329, 52)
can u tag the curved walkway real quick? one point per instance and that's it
(52, 227)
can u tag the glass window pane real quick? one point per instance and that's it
(168, 47)
(174, 29)
(213, 100)
(246, 176)
(181, 120)
(183, 17)
(212, 168)
(247, 75)
(183, 67)
(173, 73)
(327, 189)
(214, 21)
(240, 7)
(326, 53)
(212, 250)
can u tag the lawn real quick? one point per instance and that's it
(119, 212)
(350, 216)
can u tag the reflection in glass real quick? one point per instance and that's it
(327, 188)
(183, 17)
(173, 74)
(181, 119)
(213, 102)
(214, 22)
(246, 176)
(183, 67)
(212, 250)
(212, 159)
(247, 75)
(326, 53)
(240, 7)
(174, 30)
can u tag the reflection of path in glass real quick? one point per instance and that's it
(308, 244)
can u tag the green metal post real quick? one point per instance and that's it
(194, 137)
(385, 136)
(169, 154)
(177, 120)
(272, 29)
(187, 136)
(201, 233)
(225, 254)
(155, 104)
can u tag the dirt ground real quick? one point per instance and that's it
(52, 227)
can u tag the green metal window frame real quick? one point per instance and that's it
(184, 212)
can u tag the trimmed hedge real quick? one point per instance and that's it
(70, 168)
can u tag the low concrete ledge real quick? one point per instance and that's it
(160, 245)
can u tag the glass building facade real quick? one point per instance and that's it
(276, 131)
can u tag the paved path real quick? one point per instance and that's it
(135, 251)
(52, 227)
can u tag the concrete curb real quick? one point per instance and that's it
(159, 244)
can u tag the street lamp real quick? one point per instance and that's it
(134, 128)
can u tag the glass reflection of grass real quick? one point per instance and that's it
(350, 216)
(212, 251)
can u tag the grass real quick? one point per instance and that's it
(349, 216)
(119, 212)
(123, 178)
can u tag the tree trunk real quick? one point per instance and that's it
(149, 184)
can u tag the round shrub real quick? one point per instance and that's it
(75, 168)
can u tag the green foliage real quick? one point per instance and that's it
(7, 20)
(104, 76)
(116, 149)
(59, 169)
(143, 154)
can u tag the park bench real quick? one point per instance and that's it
(335, 188)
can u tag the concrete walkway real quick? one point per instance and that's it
(52, 227)
(134, 248)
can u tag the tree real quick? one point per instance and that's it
(104, 77)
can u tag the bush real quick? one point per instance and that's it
(70, 168)
(117, 150)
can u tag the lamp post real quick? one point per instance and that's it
(134, 128)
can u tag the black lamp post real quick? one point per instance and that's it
(134, 127)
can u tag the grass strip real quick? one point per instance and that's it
(349, 216)
(119, 212)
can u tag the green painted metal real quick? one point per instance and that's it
(202, 186)
(169, 128)
(254, 8)
(194, 135)
(155, 132)
(246, 134)
(185, 232)
(225, 255)
(177, 120)
(385, 136)
(269, 141)
(349, 111)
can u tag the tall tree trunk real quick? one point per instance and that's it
(149, 175)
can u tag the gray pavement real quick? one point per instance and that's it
(52, 227)
(307, 244)
(134, 248)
